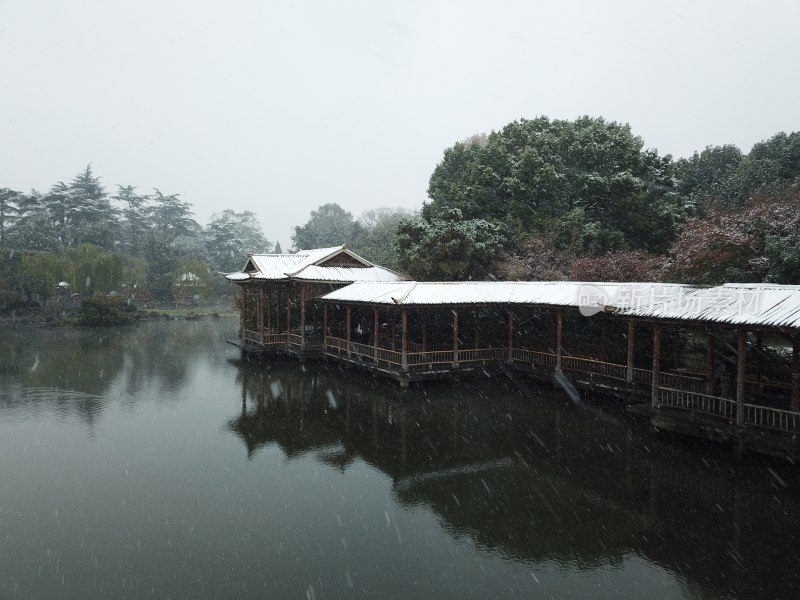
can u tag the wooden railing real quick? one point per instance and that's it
(481, 355)
(772, 418)
(595, 367)
(677, 390)
(435, 357)
(701, 403)
(271, 339)
(251, 336)
(535, 357)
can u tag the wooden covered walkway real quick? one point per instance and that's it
(715, 373)
(719, 362)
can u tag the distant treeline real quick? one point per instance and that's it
(540, 199)
(132, 243)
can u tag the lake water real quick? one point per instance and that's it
(147, 463)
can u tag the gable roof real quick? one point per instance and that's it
(309, 265)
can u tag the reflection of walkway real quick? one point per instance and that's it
(536, 478)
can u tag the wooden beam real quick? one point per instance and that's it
(243, 319)
(288, 310)
(631, 349)
(302, 315)
(269, 310)
(324, 327)
(376, 332)
(404, 340)
(347, 325)
(759, 354)
(477, 328)
(559, 337)
(425, 330)
(795, 403)
(741, 366)
(654, 401)
(710, 364)
(455, 339)
(261, 314)
(510, 337)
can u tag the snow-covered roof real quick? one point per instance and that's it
(763, 305)
(760, 304)
(553, 293)
(309, 265)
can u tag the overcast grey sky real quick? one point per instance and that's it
(281, 106)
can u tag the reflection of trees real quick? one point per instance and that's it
(523, 473)
(72, 370)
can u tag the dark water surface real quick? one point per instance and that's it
(143, 463)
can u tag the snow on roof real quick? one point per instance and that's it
(555, 293)
(737, 304)
(305, 265)
(761, 304)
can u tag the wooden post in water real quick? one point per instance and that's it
(455, 339)
(740, 373)
(795, 404)
(324, 328)
(377, 332)
(510, 337)
(404, 340)
(347, 325)
(710, 364)
(631, 349)
(559, 338)
(654, 401)
(261, 314)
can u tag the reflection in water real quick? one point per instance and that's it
(69, 372)
(197, 477)
(522, 472)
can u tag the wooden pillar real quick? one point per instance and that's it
(243, 319)
(759, 353)
(425, 331)
(455, 339)
(741, 365)
(302, 315)
(631, 350)
(347, 325)
(710, 364)
(656, 374)
(288, 311)
(404, 339)
(269, 310)
(260, 317)
(510, 337)
(795, 403)
(377, 332)
(559, 336)
(324, 327)
(477, 328)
